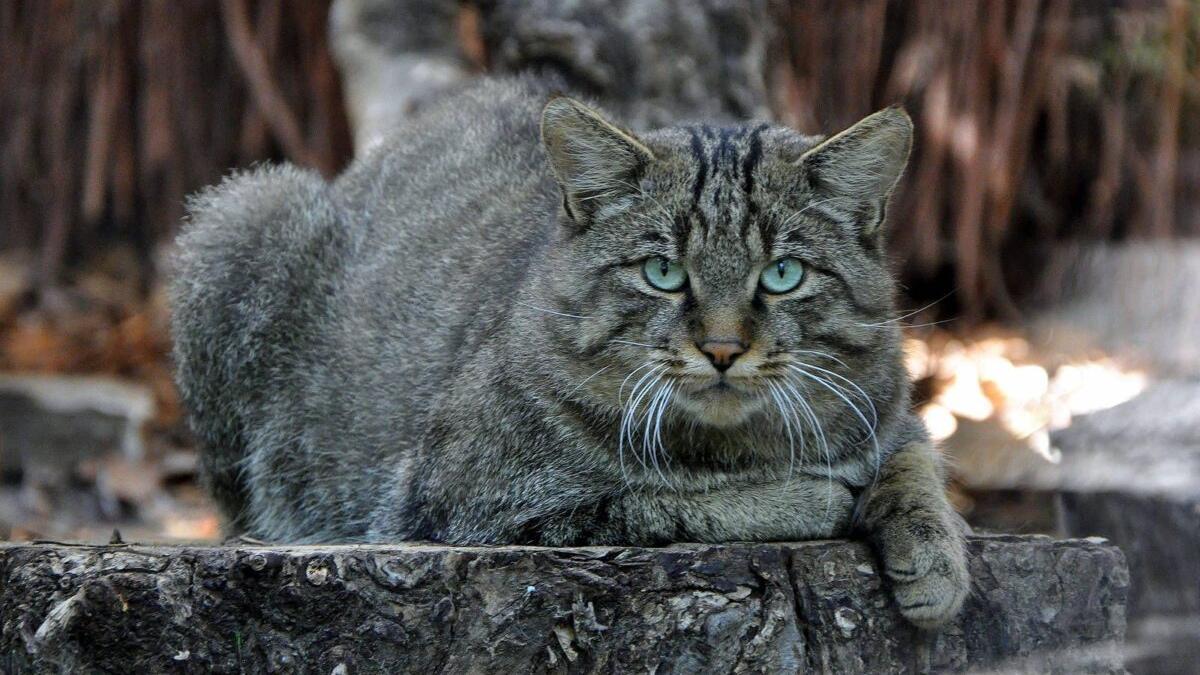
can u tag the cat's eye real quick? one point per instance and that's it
(782, 275)
(665, 275)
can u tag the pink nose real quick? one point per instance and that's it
(722, 352)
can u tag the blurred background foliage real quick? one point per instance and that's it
(1039, 121)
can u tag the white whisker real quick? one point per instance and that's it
(866, 399)
(658, 426)
(824, 444)
(786, 412)
(626, 413)
(621, 390)
(585, 381)
(837, 391)
(650, 438)
(889, 324)
(914, 312)
(630, 420)
(814, 352)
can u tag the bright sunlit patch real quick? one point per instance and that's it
(198, 527)
(963, 394)
(1084, 388)
(996, 379)
(940, 422)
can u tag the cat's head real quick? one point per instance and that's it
(718, 273)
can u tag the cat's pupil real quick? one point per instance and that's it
(780, 267)
(663, 267)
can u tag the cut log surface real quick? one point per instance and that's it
(1039, 605)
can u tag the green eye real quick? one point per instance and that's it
(782, 275)
(664, 274)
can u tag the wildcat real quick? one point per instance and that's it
(516, 322)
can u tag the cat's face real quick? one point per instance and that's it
(718, 273)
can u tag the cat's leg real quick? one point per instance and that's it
(552, 508)
(918, 534)
(802, 507)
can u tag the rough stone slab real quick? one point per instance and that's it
(1039, 605)
(1148, 445)
(1130, 473)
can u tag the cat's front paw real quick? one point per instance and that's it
(927, 564)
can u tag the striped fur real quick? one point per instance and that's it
(455, 341)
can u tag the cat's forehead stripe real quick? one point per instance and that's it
(726, 159)
(753, 156)
(701, 167)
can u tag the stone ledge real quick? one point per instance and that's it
(1038, 605)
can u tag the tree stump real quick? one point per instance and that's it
(1038, 605)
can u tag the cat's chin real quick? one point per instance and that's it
(719, 407)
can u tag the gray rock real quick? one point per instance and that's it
(52, 422)
(1149, 445)
(650, 62)
(1161, 538)
(395, 57)
(1131, 474)
(1136, 300)
(1039, 606)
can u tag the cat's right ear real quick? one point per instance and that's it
(594, 160)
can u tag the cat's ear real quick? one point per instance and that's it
(853, 173)
(594, 160)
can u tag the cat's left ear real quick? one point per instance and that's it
(594, 160)
(853, 173)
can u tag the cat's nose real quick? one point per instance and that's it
(722, 352)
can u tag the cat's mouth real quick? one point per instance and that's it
(721, 385)
(721, 402)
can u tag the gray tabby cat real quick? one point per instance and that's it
(491, 332)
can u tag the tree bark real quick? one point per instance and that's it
(1038, 605)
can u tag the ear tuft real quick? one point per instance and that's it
(593, 159)
(854, 172)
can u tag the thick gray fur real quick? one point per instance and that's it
(448, 341)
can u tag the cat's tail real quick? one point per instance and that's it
(247, 278)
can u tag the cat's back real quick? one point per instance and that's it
(476, 152)
(450, 211)
(311, 314)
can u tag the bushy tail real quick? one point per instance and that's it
(248, 274)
